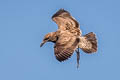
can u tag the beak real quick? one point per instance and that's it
(42, 43)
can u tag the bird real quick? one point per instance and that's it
(68, 38)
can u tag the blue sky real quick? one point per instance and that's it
(23, 24)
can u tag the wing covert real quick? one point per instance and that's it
(64, 20)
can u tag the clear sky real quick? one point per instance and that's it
(23, 24)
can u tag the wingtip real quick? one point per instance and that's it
(60, 11)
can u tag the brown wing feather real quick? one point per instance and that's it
(64, 50)
(64, 20)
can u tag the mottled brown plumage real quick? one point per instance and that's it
(88, 43)
(65, 45)
(68, 38)
(66, 22)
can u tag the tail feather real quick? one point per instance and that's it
(90, 42)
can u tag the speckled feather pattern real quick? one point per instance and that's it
(69, 37)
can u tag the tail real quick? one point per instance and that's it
(89, 43)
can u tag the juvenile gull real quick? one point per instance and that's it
(68, 38)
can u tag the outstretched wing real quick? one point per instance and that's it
(65, 46)
(64, 20)
(88, 43)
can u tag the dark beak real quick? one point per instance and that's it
(42, 43)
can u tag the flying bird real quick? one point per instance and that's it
(68, 38)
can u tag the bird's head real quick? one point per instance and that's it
(50, 37)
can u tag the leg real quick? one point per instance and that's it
(78, 57)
